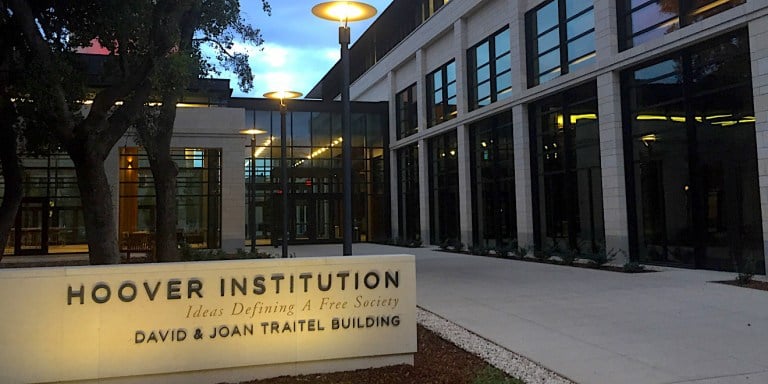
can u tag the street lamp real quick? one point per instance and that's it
(282, 95)
(252, 186)
(344, 12)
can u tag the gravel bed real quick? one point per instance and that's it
(510, 362)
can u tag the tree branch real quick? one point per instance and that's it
(24, 19)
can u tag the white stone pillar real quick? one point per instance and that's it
(460, 37)
(758, 46)
(424, 191)
(606, 32)
(523, 193)
(517, 47)
(465, 184)
(612, 165)
(393, 169)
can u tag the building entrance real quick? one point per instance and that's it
(313, 218)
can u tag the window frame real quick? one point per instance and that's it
(449, 111)
(566, 65)
(473, 84)
(407, 113)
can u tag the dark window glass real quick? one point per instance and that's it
(643, 20)
(489, 73)
(198, 195)
(441, 94)
(568, 182)
(315, 178)
(690, 125)
(561, 39)
(408, 193)
(494, 220)
(444, 188)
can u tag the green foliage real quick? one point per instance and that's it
(452, 245)
(746, 270)
(603, 257)
(633, 267)
(493, 375)
(480, 250)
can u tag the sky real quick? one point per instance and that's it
(299, 48)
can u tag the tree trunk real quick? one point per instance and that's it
(156, 139)
(12, 175)
(164, 171)
(98, 208)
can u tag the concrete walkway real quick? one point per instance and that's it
(600, 327)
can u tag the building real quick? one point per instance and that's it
(634, 125)
(215, 175)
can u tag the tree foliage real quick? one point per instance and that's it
(154, 49)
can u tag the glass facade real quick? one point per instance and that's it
(690, 129)
(314, 157)
(198, 195)
(444, 188)
(407, 115)
(489, 73)
(643, 20)
(494, 220)
(561, 38)
(567, 181)
(441, 94)
(50, 218)
(409, 225)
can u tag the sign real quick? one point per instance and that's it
(79, 323)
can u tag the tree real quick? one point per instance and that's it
(173, 77)
(144, 40)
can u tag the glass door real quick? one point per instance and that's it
(31, 232)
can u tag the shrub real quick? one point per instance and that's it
(746, 271)
(633, 267)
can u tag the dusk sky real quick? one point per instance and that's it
(299, 48)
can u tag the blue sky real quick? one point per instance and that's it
(299, 48)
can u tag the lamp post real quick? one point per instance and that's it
(344, 12)
(282, 95)
(252, 187)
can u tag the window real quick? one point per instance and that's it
(198, 194)
(490, 74)
(567, 182)
(441, 94)
(690, 124)
(407, 117)
(642, 20)
(408, 193)
(444, 188)
(494, 219)
(561, 39)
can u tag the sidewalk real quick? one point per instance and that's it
(593, 326)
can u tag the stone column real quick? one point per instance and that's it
(421, 107)
(612, 165)
(393, 169)
(465, 184)
(523, 193)
(758, 46)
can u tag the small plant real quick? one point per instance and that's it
(746, 271)
(603, 257)
(522, 252)
(492, 375)
(633, 267)
(569, 257)
(241, 253)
